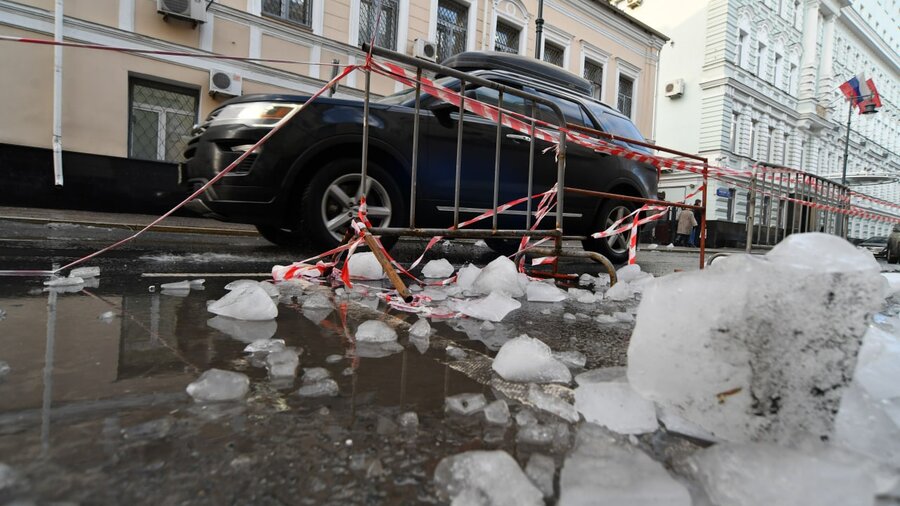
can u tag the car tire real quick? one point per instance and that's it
(279, 236)
(331, 193)
(615, 249)
(505, 247)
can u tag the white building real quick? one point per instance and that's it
(760, 84)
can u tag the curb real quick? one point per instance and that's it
(176, 229)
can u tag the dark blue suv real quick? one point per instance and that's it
(300, 185)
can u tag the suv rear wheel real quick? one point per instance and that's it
(330, 202)
(614, 248)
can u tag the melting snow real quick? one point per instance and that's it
(217, 385)
(528, 360)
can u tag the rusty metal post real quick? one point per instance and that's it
(703, 214)
(751, 209)
(415, 150)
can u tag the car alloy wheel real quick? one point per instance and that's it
(340, 203)
(617, 244)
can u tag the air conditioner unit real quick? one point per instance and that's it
(425, 49)
(675, 89)
(634, 4)
(224, 83)
(189, 10)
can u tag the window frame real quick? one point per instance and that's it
(356, 7)
(504, 21)
(164, 85)
(465, 28)
(599, 57)
(310, 13)
(632, 72)
(556, 37)
(471, 29)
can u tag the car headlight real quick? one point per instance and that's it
(253, 114)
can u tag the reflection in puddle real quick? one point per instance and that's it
(95, 409)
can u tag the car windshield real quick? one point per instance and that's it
(409, 94)
(875, 241)
(619, 126)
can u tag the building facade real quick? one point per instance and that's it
(127, 112)
(760, 84)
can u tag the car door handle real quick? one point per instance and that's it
(518, 137)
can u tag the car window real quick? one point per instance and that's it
(491, 96)
(620, 126)
(571, 110)
(409, 94)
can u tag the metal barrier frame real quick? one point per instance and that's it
(561, 126)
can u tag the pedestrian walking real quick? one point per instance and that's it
(695, 232)
(686, 222)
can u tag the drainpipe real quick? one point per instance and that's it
(57, 95)
(538, 29)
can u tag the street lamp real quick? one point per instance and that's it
(868, 108)
(538, 29)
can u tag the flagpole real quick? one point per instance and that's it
(842, 231)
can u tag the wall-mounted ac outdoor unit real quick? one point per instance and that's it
(189, 10)
(425, 49)
(224, 83)
(675, 89)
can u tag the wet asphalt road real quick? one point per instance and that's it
(93, 410)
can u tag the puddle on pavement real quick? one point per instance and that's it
(94, 409)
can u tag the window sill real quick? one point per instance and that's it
(287, 22)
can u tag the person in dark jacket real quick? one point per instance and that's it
(695, 232)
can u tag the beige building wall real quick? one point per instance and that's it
(95, 90)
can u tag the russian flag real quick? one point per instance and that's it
(874, 98)
(853, 89)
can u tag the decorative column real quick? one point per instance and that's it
(826, 78)
(807, 85)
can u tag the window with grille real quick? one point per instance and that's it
(507, 38)
(626, 95)
(387, 22)
(297, 11)
(554, 54)
(162, 116)
(452, 24)
(593, 72)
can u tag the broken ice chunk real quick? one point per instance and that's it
(556, 434)
(375, 331)
(525, 417)
(630, 273)
(584, 296)
(436, 293)
(467, 276)
(282, 364)
(623, 317)
(216, 385)
(601, 375)
(421, 343)
(465, 404)
(602, 470)
(420, 329)
(759, 363)
(197, 284)
(605, 318)
(84, 272)
(573, 359)
(313, 374)
(617, 407)
(247, 302)
(475, 477)
(551, 404)
(408, 420)
(323, 388)
(333, 359)
(494, 307)
(497, 412)
(4, 369)
(265, 346)
(539, 291)
(541, 469)
(178, 285)
(454, 352)
(365, 266)
(754, 474)
(499, 276)
(107, 316)
(487, 325)
(481, 244)
(61, 282)
(569, 317)
(440, 268)
(528, 360)
(620, 292)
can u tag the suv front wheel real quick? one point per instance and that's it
(330, 201)
(614, 248)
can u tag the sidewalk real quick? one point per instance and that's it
(172, 224)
